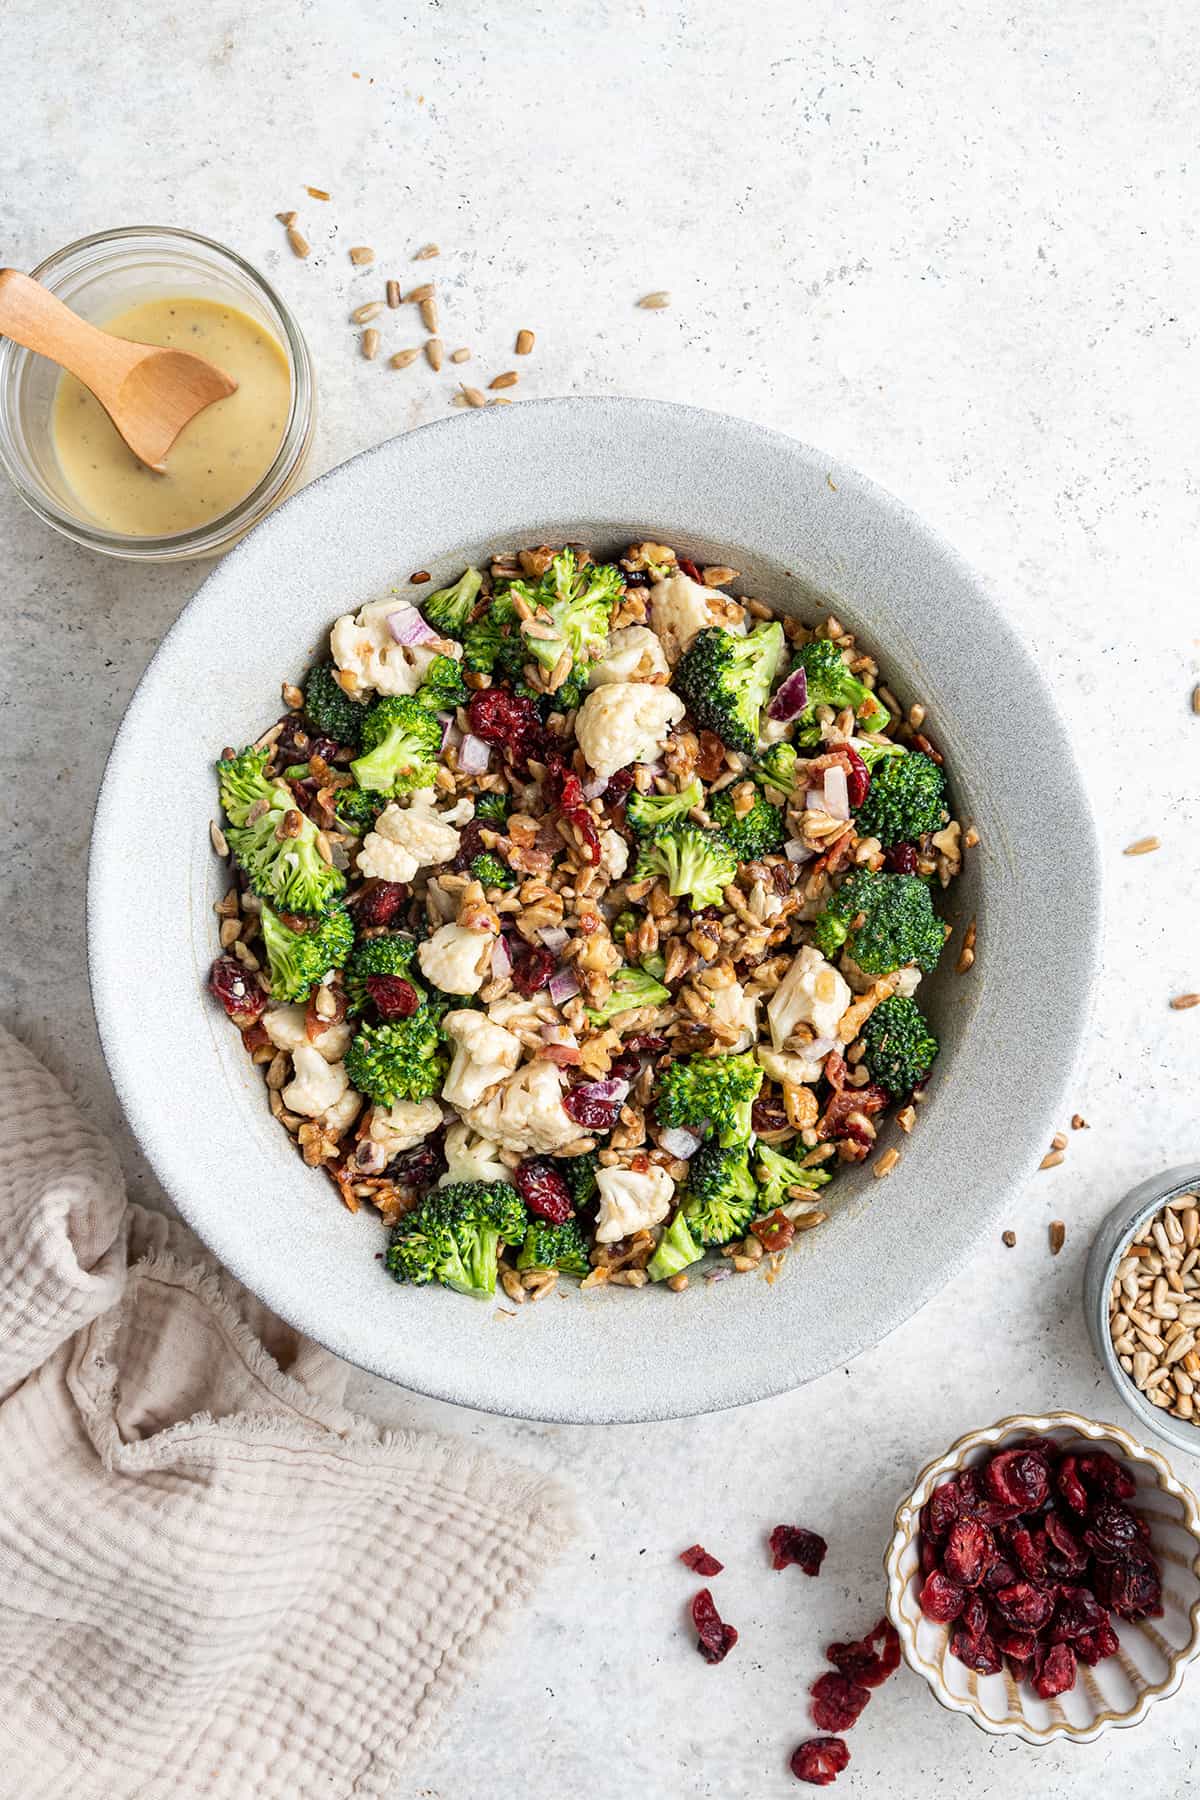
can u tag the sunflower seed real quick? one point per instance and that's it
(1058, 1236)
(433, 353)
(525, 342)
(429, 314)
(425, 252)
(1182, 1002)
(656, 301)
(416, 295)
(218, 838)
(298, 241)
(472, 396)
(402, 358)
(318, 193)
(361, 255)
(362, 315)
(370, 343)
(505, 381)
(460, 356)
(1142, 846)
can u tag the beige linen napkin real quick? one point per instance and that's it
(214, 1579)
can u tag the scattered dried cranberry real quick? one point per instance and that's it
(509, 721)
(858, 778)
(547, 1195)
(793, 1544)
(819, 1760)
(237, 991)
(379, 902)
(969, 1553)
(1055, 1672)
(861, 1663)
(836, 1702)
(767, 1114)
(901, 859)
(941, 1598)
(625, 1067)
(394, 997)
(532, 967)
(715, 1638)
(590, 1109)
(698, 1560)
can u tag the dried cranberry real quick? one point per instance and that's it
(969, 1553)
(635, 578)
(507, 720)
(1100, 1470)
(775, 1232)
(715, 1639)
(1069, 1554)
(1001, 1574)
(1018, 1667)
(836, 1702)
(649, 1043)
(901, 859)
(793, 1544)
(1021, 1644)
(1029, 1548)
(619, 785)
(547, 1195)
(1077, 1613)
(589, 1109)
(394, 997)
(1023, 1606)
(978, 1653)
(858, 779)
(625, 1067)
(562, 787)
(689, 568)
(1094, 1646)
(237, 990)
(1112, 1532)
(1055, 1673)
(941, 1598)
(698, 1560)
(942, 1508)
(974, 1615)
(532, 967)
(1131, 1588)
(767, 1114)
(819, 1760)
(470, 845)
(1018, 1478)
(379, 902)
(1069, 1485)
(417, 1169)
(861, 1663)
(929, 1555)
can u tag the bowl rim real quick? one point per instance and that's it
(1132, 1210)
(772, 463)
(906, 1524)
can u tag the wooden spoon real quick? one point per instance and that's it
(149, 393)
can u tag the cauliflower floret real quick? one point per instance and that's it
(630, 1201)
(525, 1113)
(732, 1005)
(633, 654)
(614, 854)
(679, 608)
(363, 645)
(783, 1067)
(408, 838)
(484, 1054)
(343, 1112)
(404, 1124)
(453, 956)
(471, 1158)
(907, 982)
(285, 1027)
(625, 722)
(811, 993)
(316, 1085)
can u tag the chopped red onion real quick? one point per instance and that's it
(446, 721)
(593, 789)
(611, 1088)
(814, 799)
(473, 755)
(408, 627)
(819, 1049)
(678, 1142)
(554, 938)
(837, 792)
(562, 987)
(791, 698)
(501, 960)
(797, 851)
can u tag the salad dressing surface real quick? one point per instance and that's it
(218, 456)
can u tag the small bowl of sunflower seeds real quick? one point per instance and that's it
(1142, 1293)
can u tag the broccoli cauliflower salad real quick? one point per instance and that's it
(577, 919)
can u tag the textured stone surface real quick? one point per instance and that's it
(955, 245)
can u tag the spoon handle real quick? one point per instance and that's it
(31, 315)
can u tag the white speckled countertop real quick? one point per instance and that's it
(954, 244)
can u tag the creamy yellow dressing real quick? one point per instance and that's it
(218, 456)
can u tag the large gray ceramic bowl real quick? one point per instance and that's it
(807, 535)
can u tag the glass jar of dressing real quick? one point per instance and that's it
(231, 463)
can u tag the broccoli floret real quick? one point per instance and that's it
(721, 1196)
(331, 709)
(443, 688)
(357, 809)
(492, 871)
(726, 679)
(549, 1246)
(491, 809)
(284, 869)
(401, 742)
(448, 609)
(677, 1250)
(900, 1045)
(392, 953)
(630, 988)
(297, 960)
(904, 800)
(696, 862)
(579, 600)
(757, 833)
(486, 636)
(830, 683)
(579, 1173)
(898, 926)
(776, 768)
(699, 1092)
(778, 1173)
(647, 812)
(402, 1059)
(873, 754)
(454, 1236)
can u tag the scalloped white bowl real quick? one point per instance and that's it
(1154, 1653)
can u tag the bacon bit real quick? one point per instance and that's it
(838, 1120)
(564, 1054)
(254, 1037)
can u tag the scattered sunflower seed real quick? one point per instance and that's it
(393, 294)
(415, 296)
(362, 314)
(425, 252)
(1058, 1236)
(361, 255)
(1142, 846)
(318, 193)
(1182, 1002)
(1051, 1160)
(507, 380)
(433, 353)
(525, 342)
(656, 301)
(1196, 699)
(429, 314)
(1078, 1122)
(499, 400)
(474, 397)
(286, 218)
(1009, 1239)
(218, 838)
(370, 343)
(403, 358)
(460, 356)
(298, 241)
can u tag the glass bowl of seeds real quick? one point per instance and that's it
(1142, 1293)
